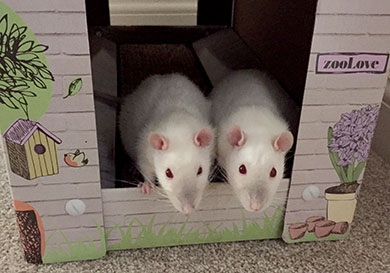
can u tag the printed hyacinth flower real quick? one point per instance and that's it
(352, 135)
(349, 141)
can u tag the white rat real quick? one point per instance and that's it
(253, 136)
(165, 128)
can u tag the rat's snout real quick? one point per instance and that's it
(255, 205)
(188, 203)
(188, 208)
(256, 199)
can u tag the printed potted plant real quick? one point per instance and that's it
(23, 69)
(349, 143)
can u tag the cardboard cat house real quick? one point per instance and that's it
(329, 55)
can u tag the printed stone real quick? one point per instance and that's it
(75, 207)
(310, 193)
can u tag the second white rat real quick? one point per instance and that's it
(253, 136)
(165, 128)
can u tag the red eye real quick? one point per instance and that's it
(199, 171)
(242, 169)
(169, 174)
(272, 173)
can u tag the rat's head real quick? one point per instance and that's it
(182, 166)
(256, 166)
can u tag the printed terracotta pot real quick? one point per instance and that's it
(341, 206)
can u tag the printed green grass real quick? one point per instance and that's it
(165, 236)
(76, 251)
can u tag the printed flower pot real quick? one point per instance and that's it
(312, 221)
(341, 205)
(323, 228)
(297, 231)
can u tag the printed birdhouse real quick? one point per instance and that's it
(32, 149)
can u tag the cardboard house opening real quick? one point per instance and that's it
(267, 35)
(271, 35)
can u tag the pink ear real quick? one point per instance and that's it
(236, 137)
(283, 142)
(158, 142)
(203, 137)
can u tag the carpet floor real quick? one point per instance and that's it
(367, 249)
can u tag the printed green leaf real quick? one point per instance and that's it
(74, 87)
(7, 101)
(46, 74)
(31, 68)
(13, 29)
(37, 63)
(4, 24)
(10, 66)
(22, 30)
(20, 87)
(22, 101)
(334, 158)
(39, 48)
(358, 170)
(39, 83)
(28, 94)
(350, 172)
(26, 57)
(26, 46)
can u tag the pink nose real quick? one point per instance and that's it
(188, 208)
(255, 206)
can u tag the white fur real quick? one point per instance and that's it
(174, 107)
(251, 100)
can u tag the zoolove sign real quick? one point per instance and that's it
(346, 63)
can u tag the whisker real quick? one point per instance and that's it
(165, 201)
(289, 157)
(156, 188)
(278, 202)
(223, 173)
(213, 173)
(127, 182)
(145, 176)
(160, 192)
(283, 209)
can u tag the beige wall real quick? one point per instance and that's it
(153, 12)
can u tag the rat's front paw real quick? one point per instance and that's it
(146, 187)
